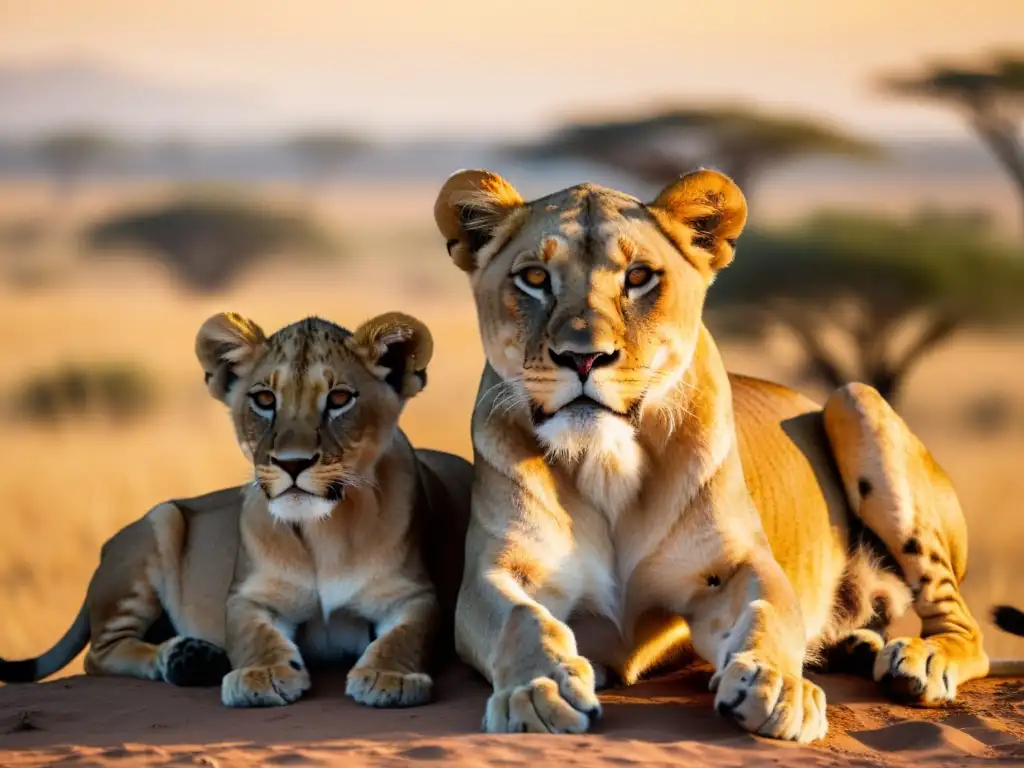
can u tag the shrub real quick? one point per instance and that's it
(117, 391)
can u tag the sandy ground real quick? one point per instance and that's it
(84, 721)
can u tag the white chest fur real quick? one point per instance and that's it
(343, 590)
(601, 450)
(636, 548)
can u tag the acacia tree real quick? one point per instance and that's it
(658, 147)
(209, 243)
(891, 290)
(68, 156)
(991, 98)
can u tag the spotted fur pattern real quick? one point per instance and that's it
(899, 491)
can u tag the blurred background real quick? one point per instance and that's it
(161, 161)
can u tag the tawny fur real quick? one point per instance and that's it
(332, 560)
(154, 607)
(691, 509)
(365, 566)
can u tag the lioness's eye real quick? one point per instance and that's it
(638, 277)
(535, 277)
(263, 399)
(338, 398)
(533, 280)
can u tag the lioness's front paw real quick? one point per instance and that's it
(382, 688)
(768, 702)
(562, 702)
(915, 671)
(264, 686)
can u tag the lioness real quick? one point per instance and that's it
(632, 499)
(334, 539)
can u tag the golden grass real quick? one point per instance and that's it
(65, 490)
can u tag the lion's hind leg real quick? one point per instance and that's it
(869, 596)
(901, 494)
(122, 644)
(123, 608)
(125, 611)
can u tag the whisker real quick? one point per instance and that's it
(510, 398)
(484, 394)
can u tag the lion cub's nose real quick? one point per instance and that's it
(295, 466)
(583, 362)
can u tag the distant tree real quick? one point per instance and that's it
(869, 281)
(991, 98)
(69, 156)
(658, 147)
(209, 243)
(115, 390)
(323, 155)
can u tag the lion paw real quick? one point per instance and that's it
(767, 702)
(383, 688)
(917, 672)
(856, 653)
(188, 661)
(562, 702)
(264, 686)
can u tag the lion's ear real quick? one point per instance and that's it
(704, 213)
(226, 345)
(470, 209)
(396, 349)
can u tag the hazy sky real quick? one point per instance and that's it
(514, 66)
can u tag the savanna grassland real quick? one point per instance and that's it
(66, 487)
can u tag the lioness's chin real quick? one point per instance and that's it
(575, 430)
(292, 507)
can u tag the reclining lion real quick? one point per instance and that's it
(347, 544)
(632, 499)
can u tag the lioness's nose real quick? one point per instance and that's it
(583, 362)
(295, 466)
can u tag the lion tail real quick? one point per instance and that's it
(1011, 620)
(54, 660)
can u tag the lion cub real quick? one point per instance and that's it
(330, 562)
(348, 543)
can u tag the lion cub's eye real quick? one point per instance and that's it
(639, 280)
(534, 281)
(263, 399)
(338, 399)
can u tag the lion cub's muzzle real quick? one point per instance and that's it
(295, 476)
(294, 467)
(296, 488)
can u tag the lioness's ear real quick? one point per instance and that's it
(225, 345)
(471, 208)
(396, 348)
(703, 212)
